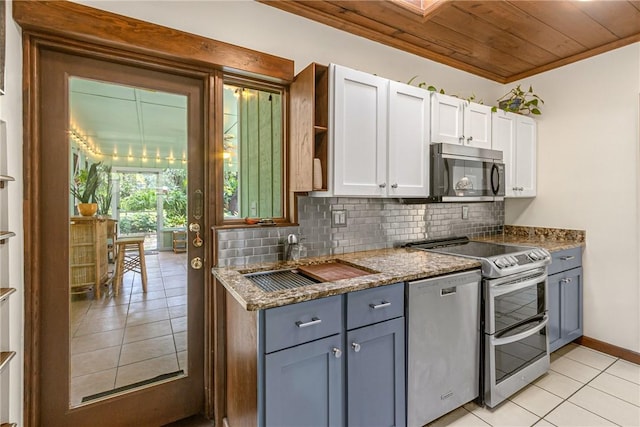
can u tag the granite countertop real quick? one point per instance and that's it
(551, 239)
(388, 265)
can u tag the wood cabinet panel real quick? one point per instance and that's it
(88, 258)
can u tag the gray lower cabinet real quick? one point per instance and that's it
(334, 361)
(565, 297)
(304, 384)
(376, 375)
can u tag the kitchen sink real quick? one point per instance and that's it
(278, 280)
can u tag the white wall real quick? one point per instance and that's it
(11, 113)
(588, 179)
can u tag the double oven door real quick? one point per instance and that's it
(516, 348)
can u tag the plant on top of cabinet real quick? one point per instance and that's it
(423, 85)
(519, 101)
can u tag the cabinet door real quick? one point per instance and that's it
(376, 375)
(571, 308)
(408, 141)
(565, 307)
(477, 125)
(553, 307)
(503, 139)
(446, 119)
(304, 386)
(525, 167)
(359, 111)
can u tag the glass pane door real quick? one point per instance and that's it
(128, 291)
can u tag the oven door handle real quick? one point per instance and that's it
(497, 290)
(522, 335)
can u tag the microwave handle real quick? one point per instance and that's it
(495, 176)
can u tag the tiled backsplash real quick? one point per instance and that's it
(371, 224)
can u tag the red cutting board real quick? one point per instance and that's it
(332, 271)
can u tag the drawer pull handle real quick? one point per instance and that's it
(313, 321)
(567, 258)
(567, 280)
(383, 304)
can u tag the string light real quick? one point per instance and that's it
(85, 144)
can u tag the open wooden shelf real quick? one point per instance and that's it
(5, 358)
(5, 178)
(5, 292)
(4, 235)
(309, 127)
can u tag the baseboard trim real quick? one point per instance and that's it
(610, 349)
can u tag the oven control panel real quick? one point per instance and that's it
(533, 256)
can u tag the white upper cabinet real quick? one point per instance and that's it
(477, 125)
(516, 135)
(359, 132)
(408, 144)
(379, 135)
(456, 121)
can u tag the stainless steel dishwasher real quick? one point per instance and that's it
(443, 359)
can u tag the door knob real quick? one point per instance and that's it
(194, 227)
(196, 263)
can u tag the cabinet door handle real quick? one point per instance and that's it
(337, 352)
(383, 304)
(567, 258)
(470, 139)
(394, 185)
(566, 280)
(383, 185)
(355, 346)
(313, 321)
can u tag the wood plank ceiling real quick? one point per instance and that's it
(500, 40)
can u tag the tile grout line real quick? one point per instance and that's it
(124, 332)
(581, 387)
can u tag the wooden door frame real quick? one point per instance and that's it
(86, 31)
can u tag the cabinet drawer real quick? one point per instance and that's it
(303, 322)
(375, 305)
(565, 260)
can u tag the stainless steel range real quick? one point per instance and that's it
(513, 307)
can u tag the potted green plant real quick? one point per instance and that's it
(104, 192)
(83, 188)
(519, 101)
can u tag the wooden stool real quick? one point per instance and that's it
(130, 257)
(179, 241)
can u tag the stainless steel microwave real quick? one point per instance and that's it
(466, 174)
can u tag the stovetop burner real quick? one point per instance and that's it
(497, 259)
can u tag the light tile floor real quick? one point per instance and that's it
(136, 336)
(583, 388)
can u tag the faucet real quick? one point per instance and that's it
(292, 240)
